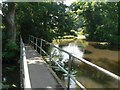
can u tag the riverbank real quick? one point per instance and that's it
(90, 50)
(95, 52)
(103, 57)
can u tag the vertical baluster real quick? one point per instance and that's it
(40, 46)
(50, 55)
(33, 42)
(21, 62)
(69, 71)
(36, 44)
(29, 39)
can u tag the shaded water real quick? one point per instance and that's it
(87, 75)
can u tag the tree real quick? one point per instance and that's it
(11, 29)
(45, 20)
(10, 48)
(98, 19)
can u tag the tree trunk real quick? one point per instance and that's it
(11, 29)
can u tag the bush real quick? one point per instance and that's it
(11, 51)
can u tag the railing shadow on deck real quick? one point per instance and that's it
(30, 58)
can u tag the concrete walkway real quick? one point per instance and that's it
(40, 75)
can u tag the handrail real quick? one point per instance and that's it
(81, 59)
(78, 83)
(25, 72)
(89, 63)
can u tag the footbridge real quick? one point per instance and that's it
(38, 66)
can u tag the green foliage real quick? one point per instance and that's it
(45, 20)
(11, 50)
(99, 18)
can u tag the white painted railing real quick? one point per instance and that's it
(25, 79)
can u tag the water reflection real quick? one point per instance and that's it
(71, 48)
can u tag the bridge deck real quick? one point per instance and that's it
(40, 75)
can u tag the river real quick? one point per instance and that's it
(87, 75)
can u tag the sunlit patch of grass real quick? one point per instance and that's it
(103, 43)
(62, 41)
(100, 46)
(66, 37)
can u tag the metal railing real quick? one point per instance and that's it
(34, 41)
(25, 80)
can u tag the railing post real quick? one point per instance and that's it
(36, 44)
(40, 46)
(29, 39)
(50, 55)
(33, 42)
(69, 72)
(21, 73)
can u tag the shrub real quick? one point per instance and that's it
(11, 51)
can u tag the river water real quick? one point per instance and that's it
(87, 75)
